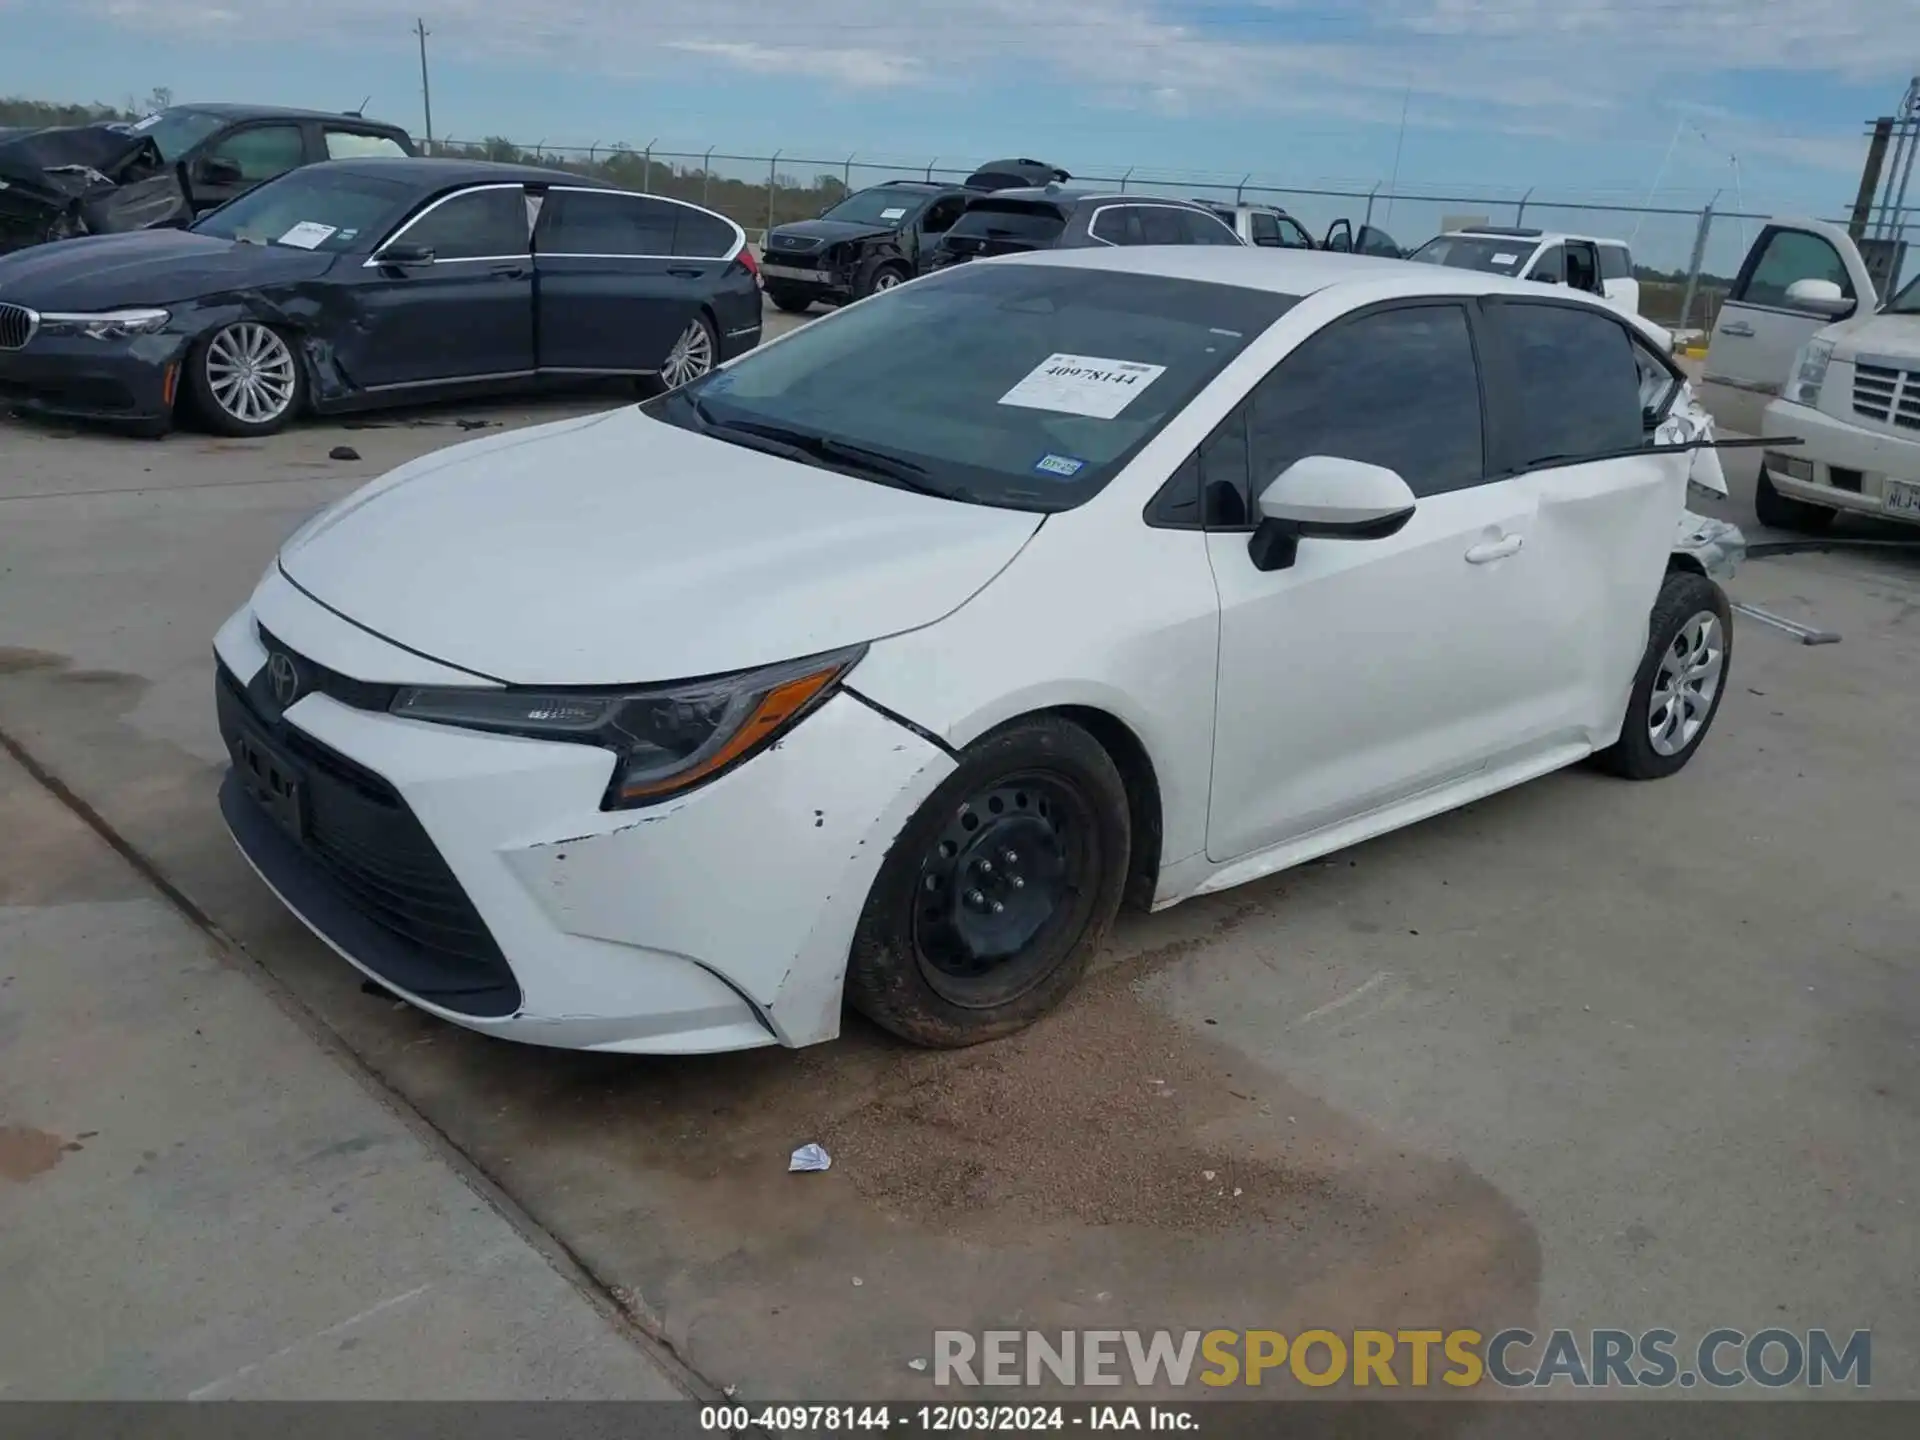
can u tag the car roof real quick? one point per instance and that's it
(1288, 272)
(279, 112)
(1533, 237)
(1062, 195)
(425, 171)
(929, 185)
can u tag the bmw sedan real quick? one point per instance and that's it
(358, 283)
(883, 664)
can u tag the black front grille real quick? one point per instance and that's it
(363, 871)
(316, 678)
(792, 242)
(17, 324)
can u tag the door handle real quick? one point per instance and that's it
(1495, 549)
(686, 272)
(1740, 329)
(508, 272)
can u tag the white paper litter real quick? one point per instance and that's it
(1089, 385)
(308, 235)
(808, 1157)
(916, 1364)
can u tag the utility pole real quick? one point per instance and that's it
(426, 90)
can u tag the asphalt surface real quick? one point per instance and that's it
(1585, 1054)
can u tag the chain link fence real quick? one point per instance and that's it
(1686, 253)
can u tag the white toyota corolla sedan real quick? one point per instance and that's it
(883, 664)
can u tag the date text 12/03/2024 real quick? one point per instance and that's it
(945, 1419)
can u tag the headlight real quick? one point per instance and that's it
(1809, 370)
(106, 324)
(668, 738)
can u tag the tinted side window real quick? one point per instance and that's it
(1576, 382)
(349, 144)
(1552, 265)
(262, 151)
(478, 225)
(1787, 256)
(1118, 225)
(703, 234)
(1398, 388)
(585, 223)
(1615, 263)
(1293, 235)
(1202, 228)
(1162, 225)
(1265, 228)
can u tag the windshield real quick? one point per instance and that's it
(1497, 255)
(310, 209)
(1907, 302)
(178, 131)
(879, 206)
(1015, 385)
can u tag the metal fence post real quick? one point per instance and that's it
(772, 180)
(1520, 210)
(930, 164)
(706, 174)
(846, 173)
(1124, 178)
(1694, 264)
(646, 170)
(1240, 189)
(1370, 194)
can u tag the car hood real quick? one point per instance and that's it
(146, 267)
(618, 549)
(823, 232)
(1897, 337)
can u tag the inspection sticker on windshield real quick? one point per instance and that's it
(308, 235)
(1506, 259)
(1065, 466)
(1082, 385)
(893, 214)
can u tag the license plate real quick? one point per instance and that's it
(791, 272)
(272, 779)
(1902, 499)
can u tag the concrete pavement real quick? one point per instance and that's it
(198, 1200)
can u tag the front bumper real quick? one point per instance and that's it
(808, 275)
(71, 375)
(1839, 464)
(476, 875)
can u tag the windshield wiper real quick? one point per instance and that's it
(840, 454)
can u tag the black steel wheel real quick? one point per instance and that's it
(998, 891)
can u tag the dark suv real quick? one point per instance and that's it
(229, 149)
(872, 240)
(1053, 218)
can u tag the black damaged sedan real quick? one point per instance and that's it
(358, 283)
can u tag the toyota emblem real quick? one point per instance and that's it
(284, 678)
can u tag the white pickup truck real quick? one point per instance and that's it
(1804, 348)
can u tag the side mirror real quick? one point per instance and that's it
(215, 171)
(1325, 497)
(405, 253)
(1822, 297)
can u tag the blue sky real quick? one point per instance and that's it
(1598, 100)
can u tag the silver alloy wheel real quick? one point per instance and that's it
(691, 356)
(887, 279)
(250, 373)
(1688, 679)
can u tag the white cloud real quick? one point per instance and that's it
(1523, 67)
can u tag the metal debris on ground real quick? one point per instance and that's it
(343, 452)
(1805, 634)
(807, 1158)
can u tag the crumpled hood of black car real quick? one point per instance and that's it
(817, 233)
(147, 267)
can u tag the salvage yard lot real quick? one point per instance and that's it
(1587, 1054)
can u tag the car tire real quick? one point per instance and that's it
(959, 943)
(1781, 512)
(1682, 679)
(246, 378)
(880, 275)
(792, 302)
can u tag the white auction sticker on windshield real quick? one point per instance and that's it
(148, 123)
(1082, 385)
(1506, 259)
(893, 214)
(308, 235)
